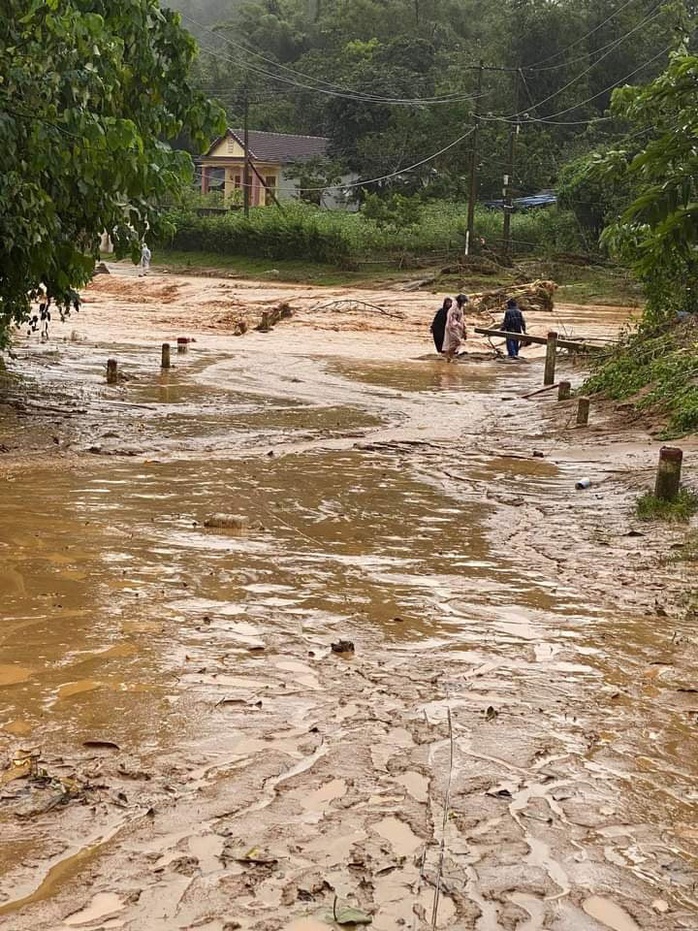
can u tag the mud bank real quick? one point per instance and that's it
(510, 746)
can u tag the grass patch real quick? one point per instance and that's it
(606, 289)
(290, 270)
(656, 371)
(678, 511)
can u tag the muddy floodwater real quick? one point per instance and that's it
(509, 747)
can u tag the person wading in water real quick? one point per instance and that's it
(455, 331)
(514, 322)
(438, 324)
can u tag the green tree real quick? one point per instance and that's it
(315, 176)
(394, 212)
(596, 196)
(91, 92)
(658, 232)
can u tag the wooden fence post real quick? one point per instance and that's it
(165, 364)
(550, 358)
(583, 412)
(112, 372)
(668, 473)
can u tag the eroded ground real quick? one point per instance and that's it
(516, 727)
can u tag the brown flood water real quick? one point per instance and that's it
(209, 763)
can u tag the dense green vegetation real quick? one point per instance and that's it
(655, 236)
(90, 92)
(435, 232)
(392, 82)
(657, 370)
(678, 511)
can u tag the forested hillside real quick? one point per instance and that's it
(394, 82)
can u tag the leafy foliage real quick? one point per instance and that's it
(314, 177)
(657, 233)
(595, 196)
(396, 211)
(657, 370)
(680, 510)
(311, 65)
(90, 94)
(343, 239)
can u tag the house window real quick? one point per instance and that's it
(269, 189)
(238, 182)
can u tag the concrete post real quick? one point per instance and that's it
(112, 373)
(550, 358)
(583, 412)
(165, 364)
(668, 473)
(564, 391)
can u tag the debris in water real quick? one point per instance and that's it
(582, 484)
(255, 856)
(24, 763)
(100, 744)
(343, 646)
(348, 915)
(227, 521)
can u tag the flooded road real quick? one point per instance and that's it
(510, 746)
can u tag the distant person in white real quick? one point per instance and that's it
(146, 256)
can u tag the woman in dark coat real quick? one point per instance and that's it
(438, 324)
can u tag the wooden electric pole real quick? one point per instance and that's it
(246, 145)
(473, 163)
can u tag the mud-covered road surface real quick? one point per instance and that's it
(511, 746)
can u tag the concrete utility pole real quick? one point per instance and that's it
(473, 162)
(509, 176)
(506, 191)
(246, 146)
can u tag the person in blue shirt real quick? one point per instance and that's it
(514, 322)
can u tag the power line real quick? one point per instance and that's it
(578, 77)
(581, 103)
(330, 90)
(394, 174)
(583, 38)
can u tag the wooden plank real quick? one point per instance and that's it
(506, 335)
(542, 340)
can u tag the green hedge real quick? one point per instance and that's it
(335, 237)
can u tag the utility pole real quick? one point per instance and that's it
(509, 176)
(246, 145)
(473, 165)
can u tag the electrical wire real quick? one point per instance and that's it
(394, 174)
(330, 90)
(516, 118)
(583, 38)
(578, 77)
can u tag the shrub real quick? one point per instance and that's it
(679, 511)
(335, 237)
